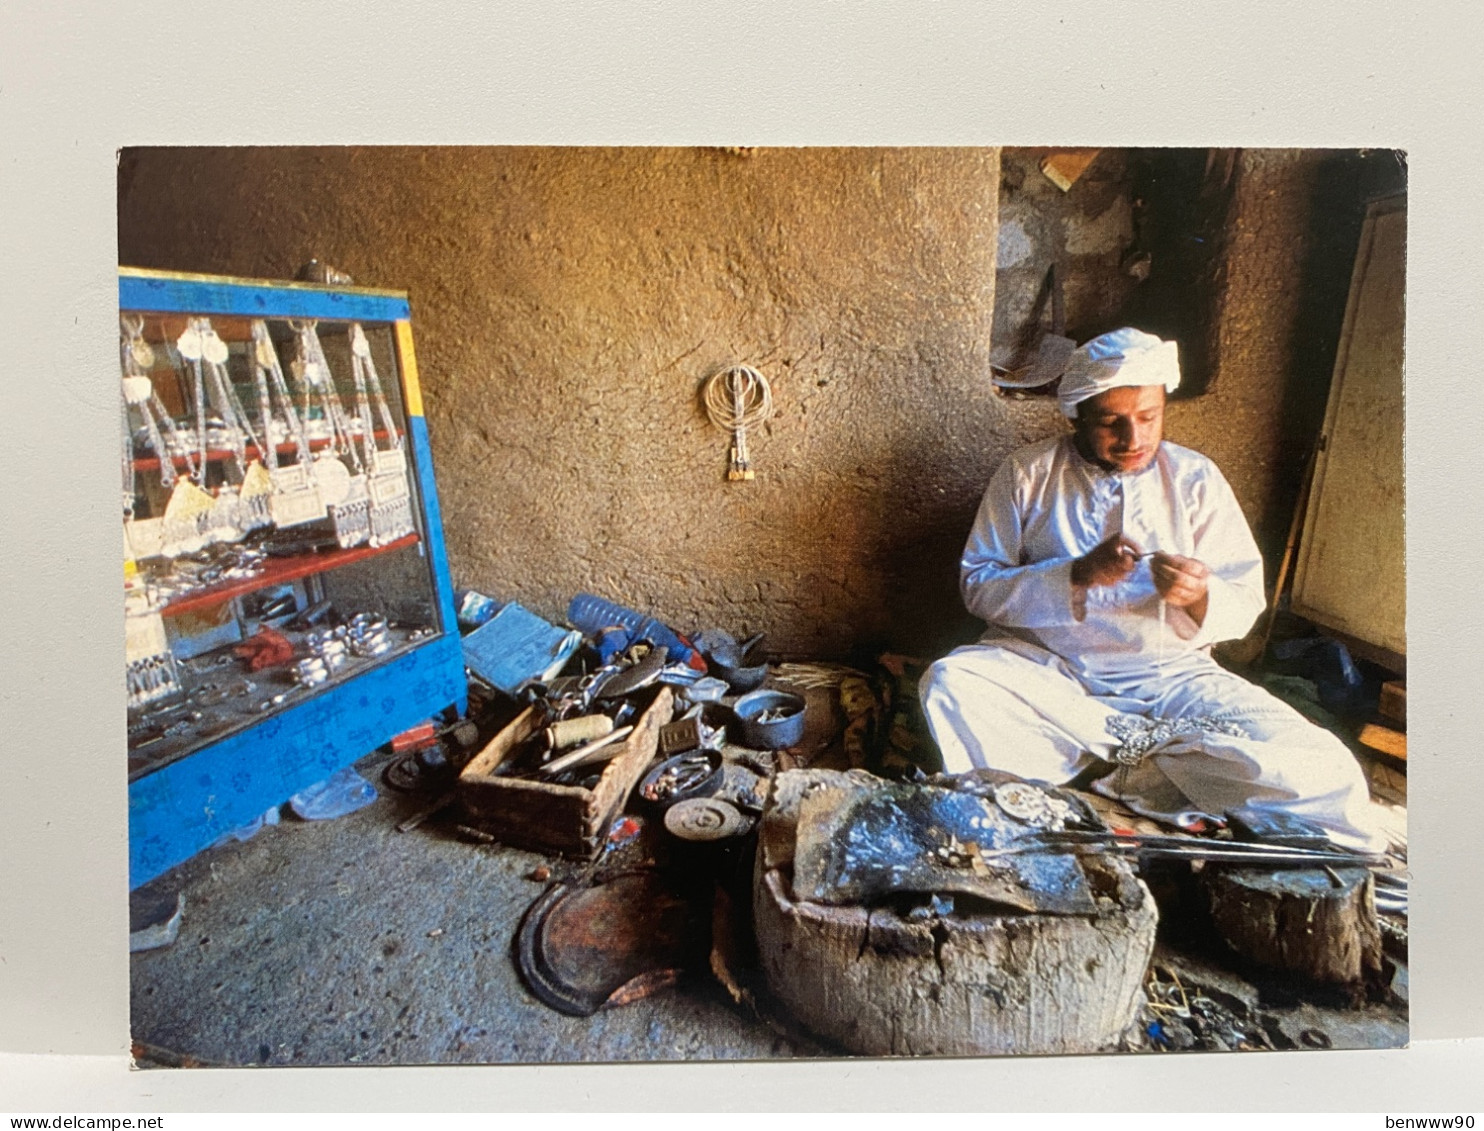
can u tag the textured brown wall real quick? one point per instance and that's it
(1291, 235)
(568, 304)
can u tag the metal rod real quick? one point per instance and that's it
(1219, 855)
(1339, 857)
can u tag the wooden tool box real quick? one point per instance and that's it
(557, 818)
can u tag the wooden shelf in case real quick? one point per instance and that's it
(279, 570)
(217, 455)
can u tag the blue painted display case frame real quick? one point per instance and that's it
(181, 808)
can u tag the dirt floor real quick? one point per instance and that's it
(348, 942)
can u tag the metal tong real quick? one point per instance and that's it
(1196, 848)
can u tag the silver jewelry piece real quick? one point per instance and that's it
(1142, 736)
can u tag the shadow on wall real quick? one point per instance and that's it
(1346, 180)
(568, 302)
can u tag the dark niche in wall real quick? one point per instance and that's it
(1182, 206)
(1137, 240)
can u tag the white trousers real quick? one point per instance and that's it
(1016, 707)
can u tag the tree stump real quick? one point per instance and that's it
(883, 984)
(1318, 924)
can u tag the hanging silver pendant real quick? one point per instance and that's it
(388, 478)
(391, 520)
(187, 523)
(352, 516)
(143, 538)
(254, 499)
(296, 497)
(391, 497)
(226, 520)
(388, 482)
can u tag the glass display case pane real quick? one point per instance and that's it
(274, 545)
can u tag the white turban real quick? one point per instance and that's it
(1116, 360)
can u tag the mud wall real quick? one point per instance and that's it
(568, 304)
(1291, 233)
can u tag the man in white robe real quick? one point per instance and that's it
(1106, 564)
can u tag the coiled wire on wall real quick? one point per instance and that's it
(737, 398)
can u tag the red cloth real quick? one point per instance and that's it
(267, 649)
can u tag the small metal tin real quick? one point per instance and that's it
(705, 819)
(784, 727)
(696, 774)
(681, 736)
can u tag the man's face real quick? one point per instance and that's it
(1121, 430)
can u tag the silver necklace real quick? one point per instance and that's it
(343, 489)
(295, 497)
(388, 487)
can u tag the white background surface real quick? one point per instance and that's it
(77, 84)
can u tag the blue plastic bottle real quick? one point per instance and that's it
(590, 614)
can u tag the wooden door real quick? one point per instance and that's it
(1351, 574)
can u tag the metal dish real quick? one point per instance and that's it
(694, 774)
(741, 680)
(770, 720)
(727, 660)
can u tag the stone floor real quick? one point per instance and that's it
(348, 942)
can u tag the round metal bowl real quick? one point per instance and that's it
(728, 660)
(740, 680)
(702, 780)
(773, 733)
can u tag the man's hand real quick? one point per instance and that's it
(1181, 581)
(1107, 563)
